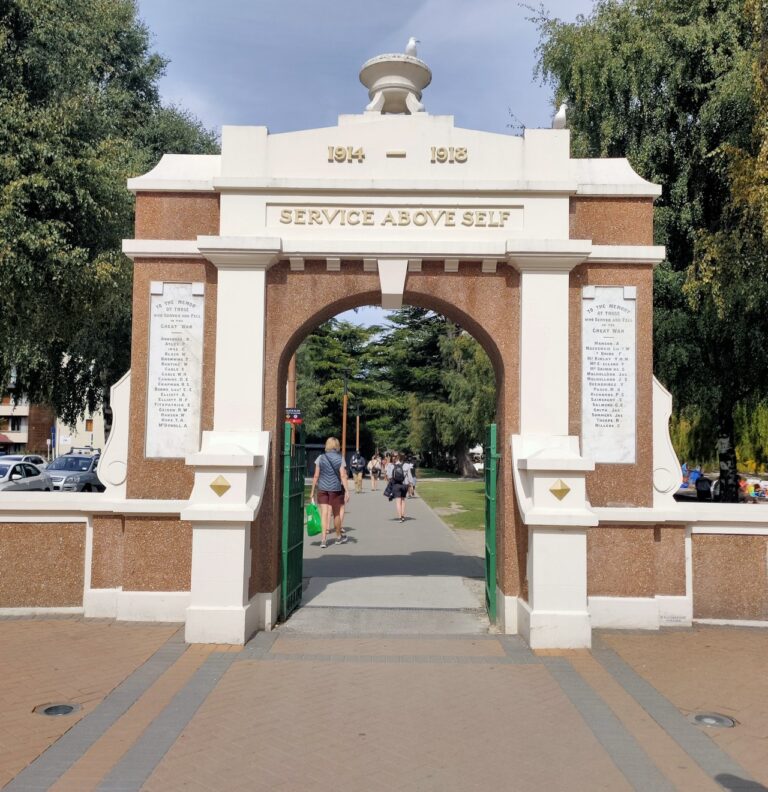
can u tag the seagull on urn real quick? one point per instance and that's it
(410, 47)
(558, 122)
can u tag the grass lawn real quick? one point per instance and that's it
(430, 473)
(463, 502)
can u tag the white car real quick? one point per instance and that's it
(35, 459)
(23, 477)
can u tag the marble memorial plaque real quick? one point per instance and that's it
(608, 376)
(174, 389)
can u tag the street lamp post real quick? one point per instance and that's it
(357, 428)
(345, 401)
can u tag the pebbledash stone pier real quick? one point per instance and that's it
(547, 260)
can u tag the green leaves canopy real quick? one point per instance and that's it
(79, 113)
(671, 85)
(421, 383)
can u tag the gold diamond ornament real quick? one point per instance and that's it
(220, 485)
(559, 489)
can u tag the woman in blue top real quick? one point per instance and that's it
(330, 480)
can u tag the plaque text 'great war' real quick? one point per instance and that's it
(175, 369)
(608, 391)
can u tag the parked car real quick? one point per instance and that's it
(75, 473)
(35, 459)
(23, 477)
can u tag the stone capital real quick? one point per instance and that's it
(241, 252)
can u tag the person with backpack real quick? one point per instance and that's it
(374, 468)
(397, 477)
(331, 480)
(357, 466)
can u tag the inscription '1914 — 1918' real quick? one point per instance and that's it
(432, 218)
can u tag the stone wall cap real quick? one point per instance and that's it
(611, 177)
(179, 173)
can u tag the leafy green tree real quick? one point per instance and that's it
(451, 425)
(79, 113)
(334, 353)
(669, 84)
(423, 386)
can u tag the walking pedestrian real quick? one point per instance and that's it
(374, 468)
(357, 466)
(411, 477)
(396, 476)
(330, 481)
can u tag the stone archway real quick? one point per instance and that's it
(510, 236)
(485, 304)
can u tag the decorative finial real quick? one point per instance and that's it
(558, 122)
(395, 81)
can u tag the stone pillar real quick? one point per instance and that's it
(544, 351)
(557, 575)
(229, 480)
(548, 469)
(230, 469)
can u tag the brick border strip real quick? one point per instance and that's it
(44, 771)
(622, 748)
(138, 763)
(715, 762)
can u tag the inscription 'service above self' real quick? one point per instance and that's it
(175, 369)
(608, 392)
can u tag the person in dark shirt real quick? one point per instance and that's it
(357, 466)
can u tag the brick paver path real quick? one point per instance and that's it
(61, 660)
(395, 712)
(387, 724)
(351, 696)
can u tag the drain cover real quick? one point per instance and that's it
(56, 709)
(713, 720)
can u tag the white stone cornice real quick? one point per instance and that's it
(241, 251)
(528, 255)
(362, 186)
(548, 255)
(161, 249)
(361, 248)
(627, 254)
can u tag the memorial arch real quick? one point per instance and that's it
(547, 260)
(507, 234)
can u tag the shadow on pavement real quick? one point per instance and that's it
(736, 784)
(419, 563)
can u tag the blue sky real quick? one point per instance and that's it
(294, 64)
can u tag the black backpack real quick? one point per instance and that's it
(398, 474)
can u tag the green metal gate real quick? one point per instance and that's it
(491, 469)
(294, 470)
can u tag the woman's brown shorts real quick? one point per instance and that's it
(333, 499)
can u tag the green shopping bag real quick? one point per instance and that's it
(314, 521)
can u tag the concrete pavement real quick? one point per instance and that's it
(411, 577)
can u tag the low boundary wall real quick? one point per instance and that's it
(131, 560)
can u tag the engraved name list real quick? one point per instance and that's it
(175, 369)
(608, 353)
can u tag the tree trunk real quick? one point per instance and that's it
(464, 464)
(729, 477)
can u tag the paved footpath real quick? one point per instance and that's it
(377, 709)
(414, 577)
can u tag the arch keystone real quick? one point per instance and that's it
(392, 274)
